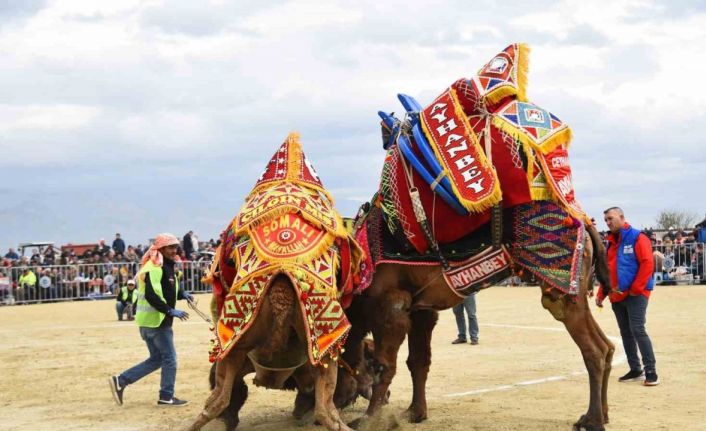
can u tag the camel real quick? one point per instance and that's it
(284, 263)
(278, 324)
(404, 301)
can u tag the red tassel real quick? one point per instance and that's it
(569, 221)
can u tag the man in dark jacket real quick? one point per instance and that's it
(188, 245)
(118, 244)
(631, 265)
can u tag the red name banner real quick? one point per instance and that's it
(461, 157)
(557, 171)
(480, 271)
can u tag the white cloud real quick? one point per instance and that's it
(87, 82)
(45, 118)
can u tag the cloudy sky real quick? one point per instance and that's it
(145, 116)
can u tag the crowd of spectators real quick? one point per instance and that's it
(52, 274)
(678, 253)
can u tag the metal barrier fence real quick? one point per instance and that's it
(679, 263)
(83, 281)
(674, 264)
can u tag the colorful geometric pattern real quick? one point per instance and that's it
(545, 246)
(522, 141)
(326, 324)
(462, 159)
(532, 125)
(289, 163)
(503, 76)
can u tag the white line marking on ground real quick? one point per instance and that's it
(619, 359)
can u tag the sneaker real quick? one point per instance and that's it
(474, 342)
(117, 390)
(632, 376)
(459, 341)
(651, 379)
(172, 402)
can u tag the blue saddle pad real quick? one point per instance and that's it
(442, 188)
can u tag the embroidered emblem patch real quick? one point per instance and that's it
(286, 237)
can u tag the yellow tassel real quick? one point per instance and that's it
(339, 230)
(499, 93)
(208, 278)
(562, 137)
(541, 194)
(522, 68)
(295, 156)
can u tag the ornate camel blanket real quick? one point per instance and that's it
(482, 142)
(288, 226)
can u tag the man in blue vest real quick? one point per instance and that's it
(157, 293)
(631, 265)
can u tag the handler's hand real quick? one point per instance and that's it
(599, 302)
(183, 315)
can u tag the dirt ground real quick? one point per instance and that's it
(526, 373)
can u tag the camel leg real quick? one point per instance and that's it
(419, 360)
(305, 401)
(220, 375)
(575, 318)
(231, 364)
(609, 348)
(325, 411)
(391, 324)
(238, 396)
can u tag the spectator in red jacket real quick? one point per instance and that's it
(631, 265)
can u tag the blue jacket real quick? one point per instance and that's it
(627, 261)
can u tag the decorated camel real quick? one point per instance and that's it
(475, 187)
(285, 264)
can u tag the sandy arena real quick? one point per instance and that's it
(526, 374)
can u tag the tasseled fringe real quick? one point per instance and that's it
(208, 278)
(339, 232)
(517, 89)
(542, 194)
(562, 137)
(496, 95)
(522, 68)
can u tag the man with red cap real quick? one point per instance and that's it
(157, 292)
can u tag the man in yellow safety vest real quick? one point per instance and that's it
(157, 292)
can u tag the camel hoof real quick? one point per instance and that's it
(343, 427)
(416, 415)
(587, 427)
(303, 405)
(356, 423)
